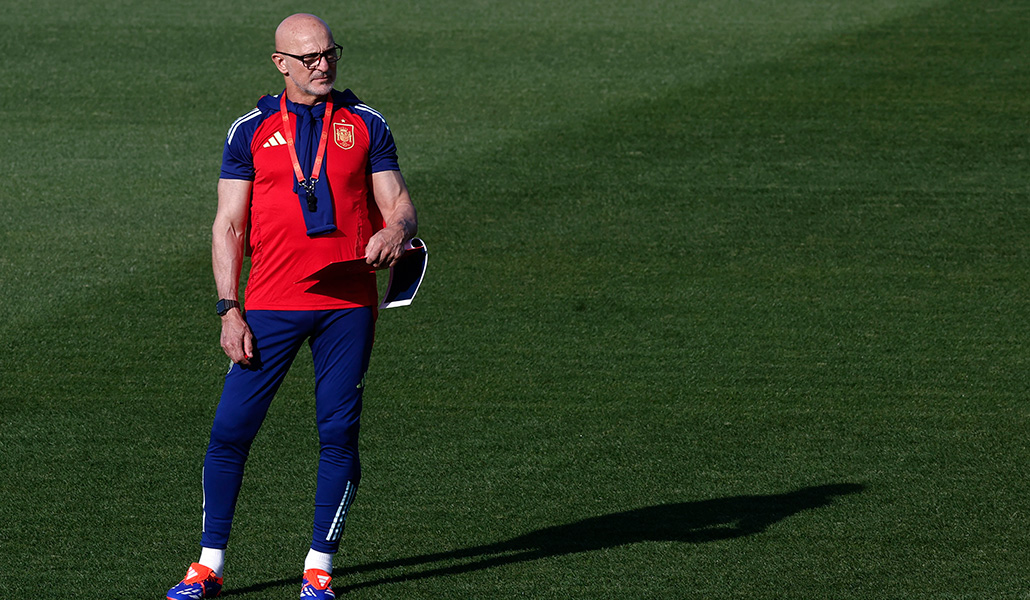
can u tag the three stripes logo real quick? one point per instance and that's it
(275, 140)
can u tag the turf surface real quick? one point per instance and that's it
(726, 299)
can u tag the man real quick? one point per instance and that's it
(308, 177)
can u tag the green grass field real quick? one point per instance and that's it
(726, 299)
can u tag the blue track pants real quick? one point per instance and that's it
(341, 343)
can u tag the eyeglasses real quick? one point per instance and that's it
(310, 61)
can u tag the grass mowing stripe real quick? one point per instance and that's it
(764, 270)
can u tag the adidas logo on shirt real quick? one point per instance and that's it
(275, 140)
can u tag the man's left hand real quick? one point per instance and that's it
(385, 247)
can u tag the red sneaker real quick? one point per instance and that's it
(200, 582)
(316, 586)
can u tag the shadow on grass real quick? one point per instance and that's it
(688, 522)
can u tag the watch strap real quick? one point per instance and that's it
(223, 306)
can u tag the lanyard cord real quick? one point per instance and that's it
(307, 183)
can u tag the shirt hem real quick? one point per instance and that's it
(297, 307)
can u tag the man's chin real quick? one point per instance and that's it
(321, 88)
(316, 87)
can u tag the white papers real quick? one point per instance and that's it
(406, 276)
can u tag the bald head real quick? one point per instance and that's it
(299, 40)
(299, 28)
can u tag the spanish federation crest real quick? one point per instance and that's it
(343, 133)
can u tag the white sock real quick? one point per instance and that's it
(213, 558)
(319, 560)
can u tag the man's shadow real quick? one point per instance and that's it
(687, 522)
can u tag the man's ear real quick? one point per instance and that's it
(280, 63)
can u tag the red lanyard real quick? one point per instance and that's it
(307, 183)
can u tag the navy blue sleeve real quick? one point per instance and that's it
(382, 152)
(237, 159)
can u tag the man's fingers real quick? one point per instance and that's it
(237, 342)
(234, 352)
(248, 346)
(378, 259)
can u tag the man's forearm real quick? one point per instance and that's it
(227, 260)
(228, 236)
(404, 218)
(395, 204)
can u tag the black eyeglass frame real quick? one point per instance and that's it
(310, 61)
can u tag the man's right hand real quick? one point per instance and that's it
(237, 339)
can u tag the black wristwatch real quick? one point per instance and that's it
(224, 305)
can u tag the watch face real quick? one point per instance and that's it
(223, 306)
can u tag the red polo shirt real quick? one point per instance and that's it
(359, 144)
